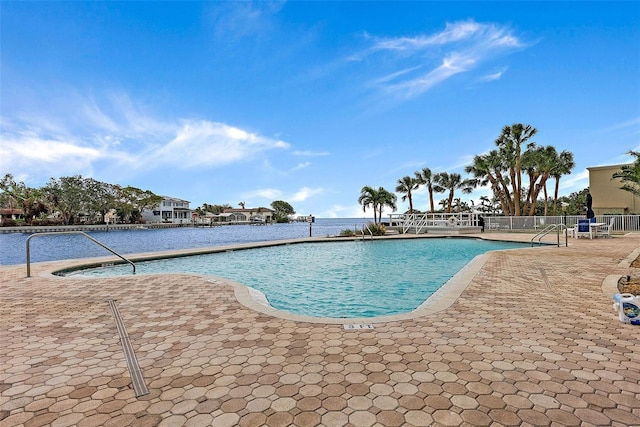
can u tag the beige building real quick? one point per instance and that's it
(608, 198)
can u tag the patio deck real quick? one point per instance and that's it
(532, 340)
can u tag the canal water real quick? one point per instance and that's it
(50, 248)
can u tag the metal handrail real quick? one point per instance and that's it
(548, 229)
(368, 229)
(71, 232)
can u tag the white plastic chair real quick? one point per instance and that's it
(605, 231)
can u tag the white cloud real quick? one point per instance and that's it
(205, 143)
(305, 193)
(492, 77)
(78, 133)
(242, 19)
(265, 193)
(460, 47)
(310, 153)
(341, 211)
(301, 166)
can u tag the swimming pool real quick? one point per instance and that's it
(351, 279)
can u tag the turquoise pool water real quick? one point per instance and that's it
(337, 279)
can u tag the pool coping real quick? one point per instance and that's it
(439, 301)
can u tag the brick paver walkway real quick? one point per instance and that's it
(533, 340)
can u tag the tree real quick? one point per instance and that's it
(630, 175)
(282, 210)
(489, 169)
(386, 199)
(133, 201)
(16, 195)
(509, 145)
(405, 186)
(10, 192)
(101, 197)
(452, 182)
(424, 177)
(67, 196)
(538, 162)
(369, 198)
(214, 209)
(564, 166)
(377, 200)
(241, 204)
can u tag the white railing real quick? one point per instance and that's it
(621, 223)
(417, 222)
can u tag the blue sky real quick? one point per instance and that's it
(307, 102)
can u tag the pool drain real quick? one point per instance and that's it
(139, 387)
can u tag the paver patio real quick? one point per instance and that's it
(533, 340)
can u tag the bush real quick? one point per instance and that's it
(347, 233)
(376, 229)
(8, 222)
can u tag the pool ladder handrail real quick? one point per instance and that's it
(548, 229)
(71, 232)
(365, 226)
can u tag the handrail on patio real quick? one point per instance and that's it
(72, 232)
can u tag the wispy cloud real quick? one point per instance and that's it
(304, 193)
(427, 60)
(205, 143)
(308, 153)
(301, 166)
(264, 193)
(246, 18)
(299, 195)
(114, 130)
(491, 77)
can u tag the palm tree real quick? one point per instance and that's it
(369, 198)
(376, 199)
(538, 162)
(630, 175)
(386, 199)
(563, 166)
(510, 144)
(488, 169)
(424, 177)
(452, 182)
(406, 185)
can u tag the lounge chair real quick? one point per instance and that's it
(605, 230)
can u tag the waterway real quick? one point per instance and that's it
(50, 248)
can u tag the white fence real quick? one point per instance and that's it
(621, 224)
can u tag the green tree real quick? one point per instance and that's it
(100, 197)
(630, 175)
(386, 199)
(451, 182)
(282, 210)
(16, 195)
(538, 162)
(369, 199)
(133, 201)
(406, 185)
(509, 145)
(425, 177)
(67, 196)
(490, 169)
(564, 166)
(377, 200)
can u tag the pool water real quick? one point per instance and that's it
(336, 279)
